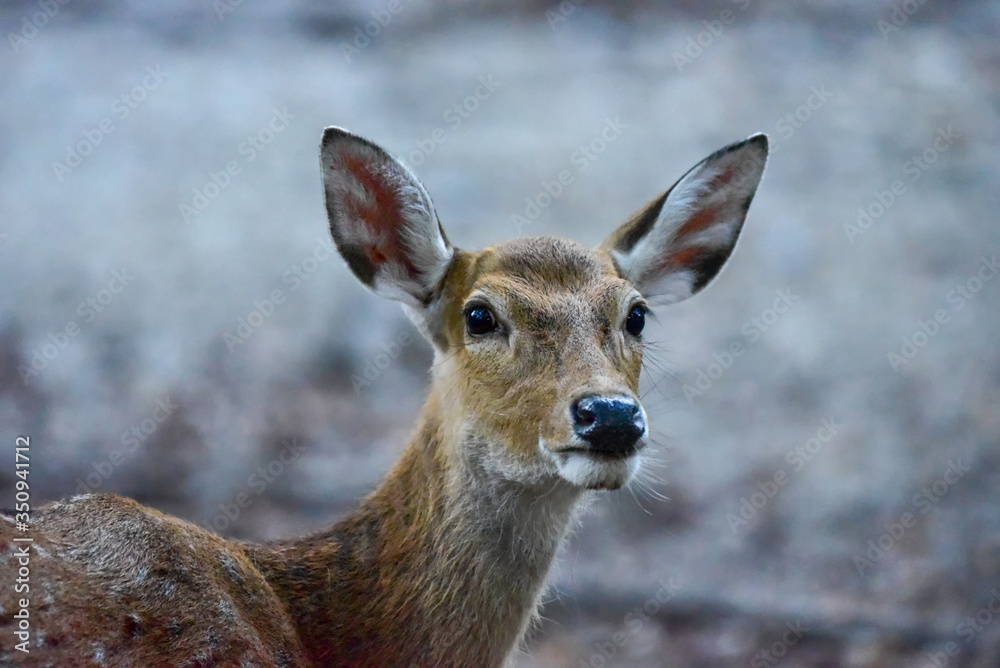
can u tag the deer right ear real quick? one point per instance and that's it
(382, 219)
(678, 243)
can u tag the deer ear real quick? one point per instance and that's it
(382, 219)
(678, 243)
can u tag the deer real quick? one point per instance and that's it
(533, 408)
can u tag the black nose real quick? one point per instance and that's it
(610, 425)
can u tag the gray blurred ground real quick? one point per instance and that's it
(876, 545)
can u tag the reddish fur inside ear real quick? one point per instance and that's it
(682, 258)
(723, 178)
(676, 244)
(383, 218)
(688, 257)
(698, 221)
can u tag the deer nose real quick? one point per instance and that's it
(609, 425)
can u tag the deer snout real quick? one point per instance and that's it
(609, 425)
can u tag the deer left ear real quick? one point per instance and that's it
(382, 219)
(678, 243)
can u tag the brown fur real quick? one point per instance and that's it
(116, 583)
(423, 573)
(444, 564)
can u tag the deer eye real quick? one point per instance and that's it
(480, 320)
(636, 320)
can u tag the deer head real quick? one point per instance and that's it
(538, 342)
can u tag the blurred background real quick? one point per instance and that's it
(173, 326)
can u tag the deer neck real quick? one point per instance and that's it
(443, 564)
